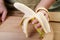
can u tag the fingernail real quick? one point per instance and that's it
(37, 25)
(32, 22)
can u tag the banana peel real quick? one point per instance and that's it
(29, 14)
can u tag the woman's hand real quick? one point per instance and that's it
(37, 24)
(3, 12)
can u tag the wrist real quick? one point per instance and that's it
(41, 9)
(44, 11)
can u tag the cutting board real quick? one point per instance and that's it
(11, 30)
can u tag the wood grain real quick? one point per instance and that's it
(54, 16)
(10, 30)
(56, 29)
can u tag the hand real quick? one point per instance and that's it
(37, 24)
(3, 12)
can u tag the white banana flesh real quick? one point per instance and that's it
(29, 14)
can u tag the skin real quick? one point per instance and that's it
(43, 3)
(46, 4)
(3, 11)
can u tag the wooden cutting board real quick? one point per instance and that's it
(10, 30)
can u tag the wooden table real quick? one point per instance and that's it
(10, 29)
(55, 23)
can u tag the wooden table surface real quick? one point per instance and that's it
(10, 29)
(55, 23)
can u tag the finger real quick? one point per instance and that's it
(41, 29)
(34, 21)
(0, 11)
(37, 25)
(4, 15)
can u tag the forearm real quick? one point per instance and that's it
(45, 3)
(1, 1)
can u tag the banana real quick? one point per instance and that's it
(29, 14)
